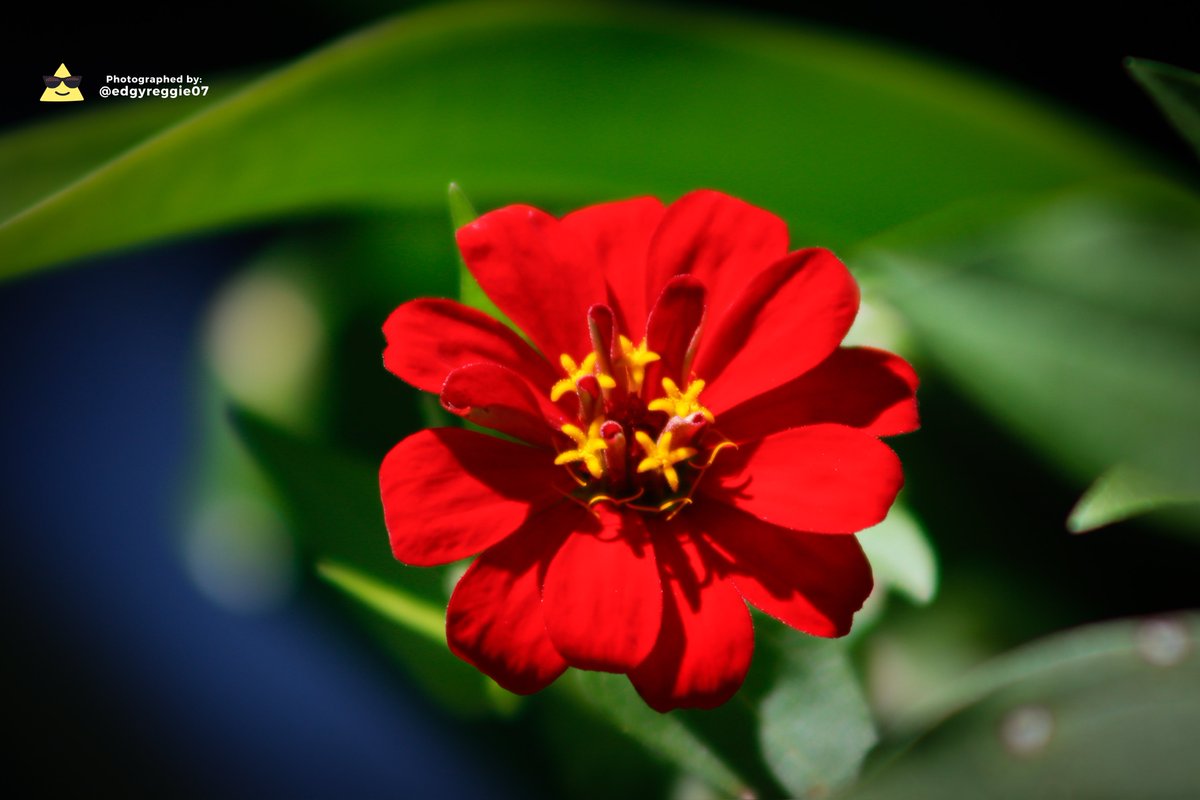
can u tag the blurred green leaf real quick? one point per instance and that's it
(414, 630)
(580, 743)
(333, 503)
(1071, 318)
(799, 723)
(560, 103)
(48, 156)
(1125, 491)
(419, 616)
(901, 556)
(1106, 711)
(504, 702)
(666, 735)
(1177, 92)
(816, 727)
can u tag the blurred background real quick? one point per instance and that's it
(200, 597)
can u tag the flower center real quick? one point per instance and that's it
(638, 442)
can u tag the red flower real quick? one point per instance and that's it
(695, 440)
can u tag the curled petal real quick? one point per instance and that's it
(672, 329)
(856, 386)
(603, 332)
(706, 641)
(790, 318)
(602, 597)
(496, 397)
(721, 240)
(450, 493)
(533, 269)
(812, 582)
(819, 479)
(428, 339)
(494, 619)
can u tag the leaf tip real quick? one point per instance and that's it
(462, 212)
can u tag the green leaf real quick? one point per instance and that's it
(1125, 491)
(1072, 318)
(48, 156)
(558, 104)
(1177, 92)
(901, 556)
(461, 211)
(816, 727)
(470, 293)
(798, 723)
(413, 631)
(1106, 711)
(579, 744)
(419, 616)
(333, 503)
(666, 735)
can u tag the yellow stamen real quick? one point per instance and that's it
(681, 404)
(660, 456)
(588, 445)
(635, 360)
(578, 372)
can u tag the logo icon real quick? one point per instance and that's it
(62, 86)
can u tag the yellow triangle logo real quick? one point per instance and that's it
(62, 86)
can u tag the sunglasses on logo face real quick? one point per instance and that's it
(53, 81)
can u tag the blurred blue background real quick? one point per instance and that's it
(122, 675)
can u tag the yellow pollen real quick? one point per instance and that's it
(660, 456)
(681, 404)
(587, 445)
(578, 372)
(635, 360)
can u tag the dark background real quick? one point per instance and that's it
(122, 677)
(1066, 51)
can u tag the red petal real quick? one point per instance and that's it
(494, 620)
(536, 271)
(819, 479)
(449, 493)
(707, 640)
(671, 330)
(788, 320)
(856, 386)
(429, 338)
(498, 398)
(614, 239)
(719, 239)
(602, 597)
(812, 582)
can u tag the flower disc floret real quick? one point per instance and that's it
(587, 448)
(681, 403)
(667, 429)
